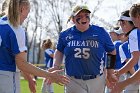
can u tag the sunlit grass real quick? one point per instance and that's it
(25, 88)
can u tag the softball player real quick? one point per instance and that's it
(134, 40)
(84, 46)
(49, 52)
(117, 41)
(125, 56)
(13, 49)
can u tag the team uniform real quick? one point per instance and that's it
(118, 63)
(84, 58)
(48, 58)
(125, 54)
(12, 42)
(134, 42)
(49, 64)
(124, 51)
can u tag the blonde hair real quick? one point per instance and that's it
(14, 11)
(135, 10)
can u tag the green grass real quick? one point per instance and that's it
(25, 88)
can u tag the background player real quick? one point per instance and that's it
(134, 38)
(49, 53)
(116, 36)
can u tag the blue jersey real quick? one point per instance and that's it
(48, 58)
(118, 63)
(124, 51)
(84, 51)
(12, 42)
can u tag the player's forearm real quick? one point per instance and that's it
(58, 58)
(132, 71)
(27, 76)
(24, 66)
(111, 59)
(129, 65)
(134, 78)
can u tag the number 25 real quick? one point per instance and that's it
(82, 53)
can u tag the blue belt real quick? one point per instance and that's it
(87, 77)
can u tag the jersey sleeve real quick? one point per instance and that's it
(49, 51)
(107, 42)
(134, 40)
(60, 43)
(18, 40)
(122, 54)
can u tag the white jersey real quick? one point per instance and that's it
(134, 41)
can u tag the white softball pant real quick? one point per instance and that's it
(95, 85)
(9, 82)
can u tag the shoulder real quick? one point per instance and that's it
(95, 27)
(99, 30)
(125, 44)
(117, 43)
(67, 31)
(4, 25)
(134, 35)
(49, 50)
(134, 32)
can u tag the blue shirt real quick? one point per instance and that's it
(12, 42)
(84, 51)
(48, 58)
(118, 63)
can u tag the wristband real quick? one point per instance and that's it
(111, 59)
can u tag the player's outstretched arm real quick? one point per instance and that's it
(24, 66)
(58, 58)
(110, 76)
(130, 64)
(121, 85)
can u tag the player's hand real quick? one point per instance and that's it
(111, 76)
(57, 77)
(32, 85)
(116, 72)
(50, 70)
(117, 88)
(108, 84)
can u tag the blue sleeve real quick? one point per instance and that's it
(9, 39)
(126, 51)
(107, 41)
(14, 43)
(60, 43)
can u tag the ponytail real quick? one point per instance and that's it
(13, 13)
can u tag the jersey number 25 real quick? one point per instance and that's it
(82, 53)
